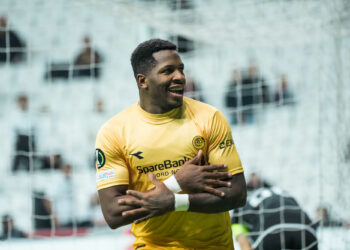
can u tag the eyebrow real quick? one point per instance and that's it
(172, 66)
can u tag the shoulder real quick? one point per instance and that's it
(199, 109)
(206, 116)
(119, 121)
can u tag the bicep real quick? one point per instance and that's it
(109, 204)
(238, 181)
(238, 189)
(107, 195)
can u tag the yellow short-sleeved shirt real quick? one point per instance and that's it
(135, 143)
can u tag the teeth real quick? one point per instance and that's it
(176, 89)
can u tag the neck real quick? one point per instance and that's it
(152, 108)
(149, 105)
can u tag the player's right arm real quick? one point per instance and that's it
(112, 177)
(112, 211)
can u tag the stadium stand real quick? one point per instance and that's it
(299, 147)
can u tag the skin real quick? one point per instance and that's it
(153, 88)
(200, 202)
(116, 202)
(209, 191)
(244, 242)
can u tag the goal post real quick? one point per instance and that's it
(277, 69)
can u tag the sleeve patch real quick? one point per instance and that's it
(104, 175)
(100, 158)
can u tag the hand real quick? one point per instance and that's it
(151, 203)
(194, 178)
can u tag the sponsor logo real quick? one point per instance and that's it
(100, 158)
(167, 164)
(138, 155)
(104, 175)
(226, 143)
(198, 142)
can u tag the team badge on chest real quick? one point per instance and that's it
(198, 142)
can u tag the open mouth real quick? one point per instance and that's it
(177, 90)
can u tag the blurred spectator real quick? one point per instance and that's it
(184, 44)
(192, 90)
(254, 88)
(254, 91)
(53, 161)
(24, 127)
(61, 196)
(245, 91)
(272, 219)
(60, 202)
(283, 95)
(12, 48)
(87, 63)
(255, 182)
(9, 230)
(326, 220)
(42, 211)
(233, 95)
(181, 4)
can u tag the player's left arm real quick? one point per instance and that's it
(221, 149)
(235, 196)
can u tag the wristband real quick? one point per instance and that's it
(172, 184)
(182, 202)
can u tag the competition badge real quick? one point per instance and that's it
(100, 158)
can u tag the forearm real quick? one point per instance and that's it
(234, 197)
(113, 213)
(209, 203)
(244, 242)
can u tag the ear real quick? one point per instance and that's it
(141, 81)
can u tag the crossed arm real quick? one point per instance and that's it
(209, 192)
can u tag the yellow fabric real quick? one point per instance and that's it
(135, 143)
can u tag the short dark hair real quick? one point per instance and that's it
(142, 60)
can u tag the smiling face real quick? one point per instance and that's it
(161, 90)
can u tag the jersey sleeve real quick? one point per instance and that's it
(221, 147)
(111, 168)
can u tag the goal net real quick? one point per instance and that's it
(278, 70)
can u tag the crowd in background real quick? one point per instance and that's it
(247, 89)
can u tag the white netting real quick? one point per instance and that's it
(303, 147)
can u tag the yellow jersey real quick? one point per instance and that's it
(134, 143)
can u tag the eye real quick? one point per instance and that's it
(168, 71)
(181, 69)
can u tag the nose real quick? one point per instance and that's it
(179, 77)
